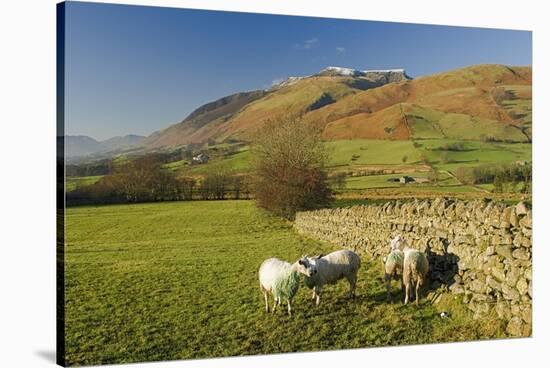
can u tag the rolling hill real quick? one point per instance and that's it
(237, 116)
(480, 102)
(202, 123)
(470, 103)
(82, 145)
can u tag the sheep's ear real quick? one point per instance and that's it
(300, 262)
(319, 256)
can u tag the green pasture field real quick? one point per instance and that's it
(427, 123)
(371, 152)
(477, 153)
(179, 280)
(73, 182)
(176, 165)
(381, 181)
(238, 163)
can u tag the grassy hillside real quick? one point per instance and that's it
(428, 123)
(201, 124)
(298, 98)
(371, 152)
(475, 153)
(466, 103)
(179, 280)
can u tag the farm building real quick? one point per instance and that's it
(201, 158)
(403, 179)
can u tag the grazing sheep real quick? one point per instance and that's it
(281, 279)
(329, 269)
(415, 269)
(393, 269)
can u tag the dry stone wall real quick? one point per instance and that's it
(480, 251)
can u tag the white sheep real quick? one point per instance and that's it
(393, 269)
(281, 279)
(415, 270)
(329, 269)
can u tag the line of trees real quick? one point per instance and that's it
(221, 185)
(145, 180)
(100, 167)
(504, 177)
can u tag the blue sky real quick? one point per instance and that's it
(137, 69)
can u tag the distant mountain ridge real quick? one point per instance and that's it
(82, 145)
(487, 101)
(386, 75)
(389, 75)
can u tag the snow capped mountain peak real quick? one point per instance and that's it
(385, 71)
(340, 71)
(350, 72)
(384, 75)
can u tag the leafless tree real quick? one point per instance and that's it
(289, 161)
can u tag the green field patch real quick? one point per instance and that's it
(379, 181)
(382, 181)
(441, 188)
(371, 152)
(488, 187)
(175, 165)
(476, 153)
(238, 162)
(428, 123)
(73, 182)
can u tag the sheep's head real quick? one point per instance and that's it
(308, 265)
(398, 242)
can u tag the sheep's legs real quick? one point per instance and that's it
(275, 303)
(313, 294)
(317, 296)
(289, 307)
(418, 284)
(266, 302)
(388, 287)
(407, 290)
(352, 284)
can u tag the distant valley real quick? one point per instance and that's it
(82, 145)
